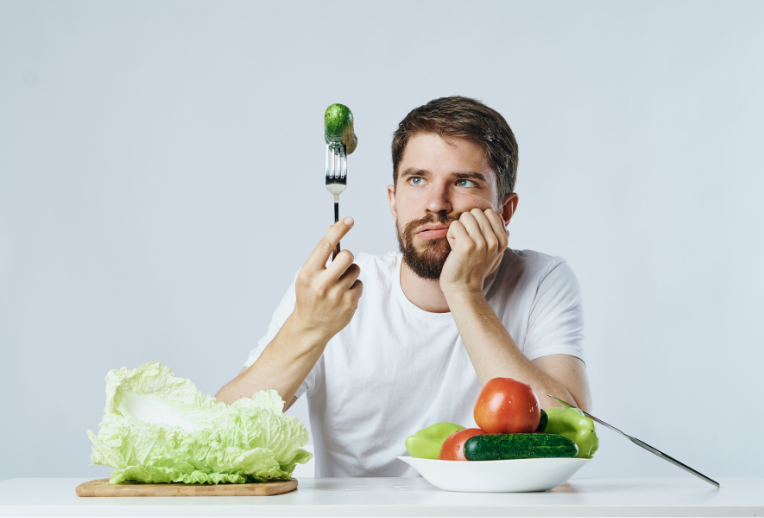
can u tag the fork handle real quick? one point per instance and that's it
(336, 219)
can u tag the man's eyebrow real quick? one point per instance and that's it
(470, 176)
(413, 171)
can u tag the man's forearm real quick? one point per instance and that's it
(283, 366)
(494, 353)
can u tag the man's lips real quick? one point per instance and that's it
(432, 232)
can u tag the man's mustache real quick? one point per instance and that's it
(433, 217)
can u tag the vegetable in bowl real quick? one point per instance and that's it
(427, 443)
(573, 424)
(507, 446)
(512, 425)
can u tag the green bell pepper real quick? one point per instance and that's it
(426, 443)
(573, 424)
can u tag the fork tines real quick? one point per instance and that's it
(336, 163)
(336, 177)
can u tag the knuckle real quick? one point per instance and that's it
(326, 245)
(320, 290)
(303, 278)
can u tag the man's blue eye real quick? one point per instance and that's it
(416, 181)
(460, 183)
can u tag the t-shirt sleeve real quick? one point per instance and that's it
(556, 323)
(284, 309)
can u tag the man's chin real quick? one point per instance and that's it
(427, 262)
(432, 247)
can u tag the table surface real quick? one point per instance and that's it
(405, 497)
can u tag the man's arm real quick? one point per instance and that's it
(283, 366)
(326, 299)
(478, 241)
(494, 354)
(288, 405)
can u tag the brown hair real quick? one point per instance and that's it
(462, 117)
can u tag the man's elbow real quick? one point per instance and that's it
(227, 394)
(584, 402)
(221, 397)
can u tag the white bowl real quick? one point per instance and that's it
(497, 476)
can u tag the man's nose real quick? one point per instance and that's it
(438, 199)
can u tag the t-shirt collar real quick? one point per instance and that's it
(411, 308)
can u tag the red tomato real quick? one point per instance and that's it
(453, 448)
(505, 405)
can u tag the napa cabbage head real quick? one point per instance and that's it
(159, 428)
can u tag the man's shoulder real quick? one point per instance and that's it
(524, 274)
(529, 269)
(531, 261)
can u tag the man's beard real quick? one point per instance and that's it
(428, 263)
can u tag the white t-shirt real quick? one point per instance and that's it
(396, 368)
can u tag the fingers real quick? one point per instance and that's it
(458, 234)
(348, 278)
(356, 290)
(328, 243)
(484, 229)
(339, 266)
(491, 239)
(497, 224)
(472, 225)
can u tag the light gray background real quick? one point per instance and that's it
(161, 181)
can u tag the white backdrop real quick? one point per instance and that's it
(161, 181)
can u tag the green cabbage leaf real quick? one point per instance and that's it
(159, 428)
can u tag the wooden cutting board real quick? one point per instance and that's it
(101, 487)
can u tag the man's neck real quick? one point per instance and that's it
(426, 294)
(423, 293)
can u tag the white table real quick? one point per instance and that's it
(405, 497)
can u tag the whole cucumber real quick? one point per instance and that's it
(338, 127)
(504, 446)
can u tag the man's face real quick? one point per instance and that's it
(438, 180)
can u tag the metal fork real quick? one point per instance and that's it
(644, 445)
(336, 177)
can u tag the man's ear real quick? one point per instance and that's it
(391, 200)
(509, 207)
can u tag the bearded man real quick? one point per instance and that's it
(453, 309)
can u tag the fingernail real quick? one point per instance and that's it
(348, 221)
